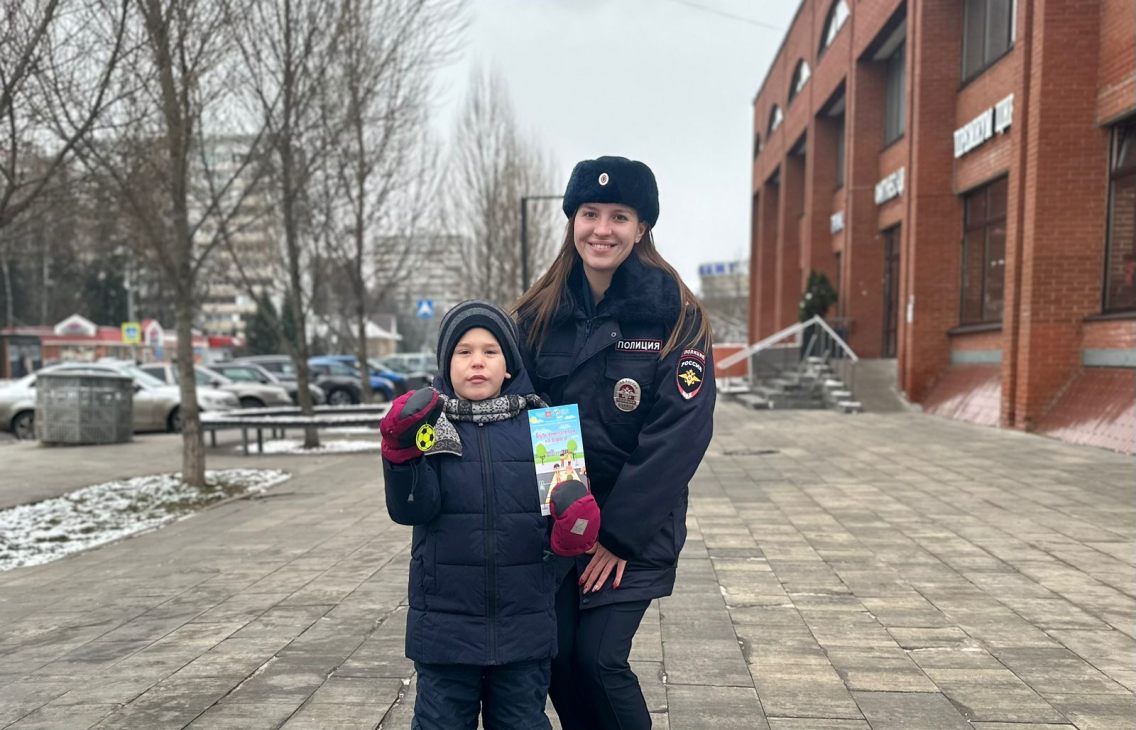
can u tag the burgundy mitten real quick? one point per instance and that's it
(408, 427)
(577, 518)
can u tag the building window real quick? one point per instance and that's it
(800, 77)
(895, 113)
(1120, 259)
(988, 33)
(756, 145)
(837, 15)
(984, 253)
(775, 119)
(840, 151)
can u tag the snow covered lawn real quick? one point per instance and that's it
(291, 446)
(39, 533)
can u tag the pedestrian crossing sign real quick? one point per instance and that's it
(131, 333)
(425, 309)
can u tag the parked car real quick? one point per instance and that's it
(397, 379)
(250, 394)
(156, 405)
(341, 388)
(247, 372)
(418, 368)
(17, 407)
(383, 389)
(412, 361)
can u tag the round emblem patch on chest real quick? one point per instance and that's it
(627, 395)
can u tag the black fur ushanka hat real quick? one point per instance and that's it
(614, 180)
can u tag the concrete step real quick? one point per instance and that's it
(794, 400)
(849, 406)
(797, 405)
(752, 400)
(769, 392)
(729, 386)
(876, 385)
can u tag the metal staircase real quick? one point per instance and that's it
(805, 366)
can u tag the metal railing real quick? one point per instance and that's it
(811, 338)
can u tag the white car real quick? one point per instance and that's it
(250, 395)
(156, 405)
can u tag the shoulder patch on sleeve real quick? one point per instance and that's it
(690, 372)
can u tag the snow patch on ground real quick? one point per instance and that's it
(34, 534)
(289, 446)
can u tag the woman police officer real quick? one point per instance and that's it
(612, 327)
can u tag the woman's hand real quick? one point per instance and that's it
(600, 567)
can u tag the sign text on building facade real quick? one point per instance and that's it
(977, 131)
(725, 268)
(890, 187)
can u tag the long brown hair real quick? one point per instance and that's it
(538, 305)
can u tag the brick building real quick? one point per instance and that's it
(965, 172)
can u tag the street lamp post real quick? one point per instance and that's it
(525, 235)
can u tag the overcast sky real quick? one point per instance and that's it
(654, 80)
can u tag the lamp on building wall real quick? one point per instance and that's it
(525, 236)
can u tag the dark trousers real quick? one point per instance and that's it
(508, 697)
(593, 687)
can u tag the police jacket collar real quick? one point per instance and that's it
(639, 294)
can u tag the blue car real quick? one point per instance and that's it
(381, 386)
(398, 379)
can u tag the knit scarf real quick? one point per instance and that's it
(491, 410)
(501, 408)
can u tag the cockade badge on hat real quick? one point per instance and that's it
(604, 179)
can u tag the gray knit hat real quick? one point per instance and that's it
(478, 313)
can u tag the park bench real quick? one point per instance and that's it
(278, 420)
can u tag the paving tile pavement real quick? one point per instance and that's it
(861, 572)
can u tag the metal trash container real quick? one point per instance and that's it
(84, 407)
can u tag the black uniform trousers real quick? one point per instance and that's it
(593, 687)
(507, 696)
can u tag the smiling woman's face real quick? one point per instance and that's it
(605, 234)
(477, 367)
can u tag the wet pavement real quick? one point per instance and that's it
(872, 571)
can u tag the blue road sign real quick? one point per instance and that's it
(425, 309)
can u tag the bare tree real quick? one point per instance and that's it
(495, 165)
(47, 51)
(287, 48)
(171, 96)
(389, 50)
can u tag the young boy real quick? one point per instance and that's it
(459, 466)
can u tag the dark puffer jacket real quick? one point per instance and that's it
(641, 456)
(480, 590)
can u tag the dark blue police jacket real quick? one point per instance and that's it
(480, 590)
(646, 421)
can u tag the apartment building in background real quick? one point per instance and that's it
(224, 173)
